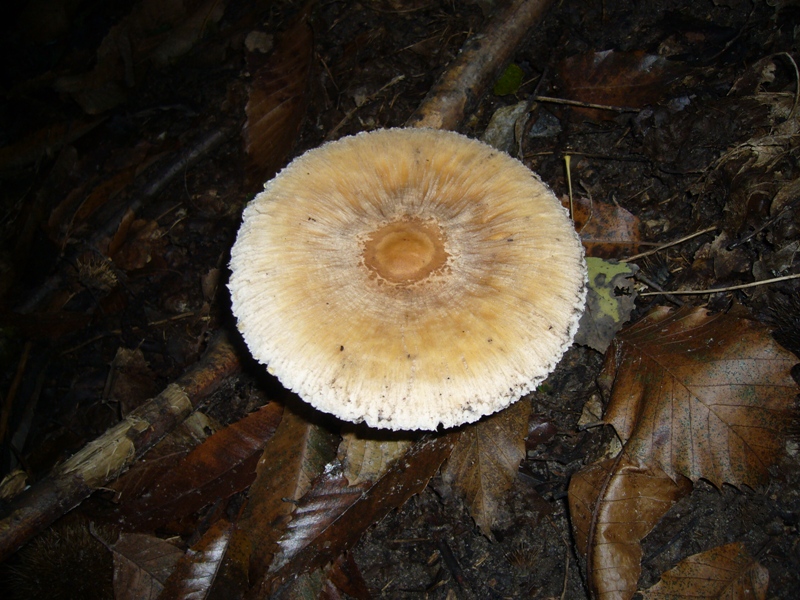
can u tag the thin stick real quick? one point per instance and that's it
(552, 100)
(668, 244)
(569, 187)
(727, 289)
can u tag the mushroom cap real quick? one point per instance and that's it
(407, 278)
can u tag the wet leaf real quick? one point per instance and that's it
(700, 395)
(624, 79)
(727, 572)
(221, 466)
(332, 516)
(609, 302)
(326, 502)
(606, 230)
(196, 571)
(485, 461)
(142, 565)
(613, 505)
(291, 460)
(277, 102)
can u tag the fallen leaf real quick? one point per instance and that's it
(485, 461)
(366, 454)
(692, 395)
(727, 572)
(606, 230)
(143, 241)
(222, 465)
(334, 517)
(165, 455)
(142, 565)
(130, 380)
(291, 460)
(615, 78)
(324, 504)
(613, 505)
(346, 576)
(610, 299)
(700, 395)
(277, 102)
(196, 570)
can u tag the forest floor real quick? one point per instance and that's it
(127, 155)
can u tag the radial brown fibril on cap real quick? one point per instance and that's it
(407, 278)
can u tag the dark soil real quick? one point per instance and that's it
(713, 144)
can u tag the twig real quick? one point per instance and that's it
(466, 79)
(727, 289)
(567, 102)
(668, 244)
(655, 286)
(105, 458)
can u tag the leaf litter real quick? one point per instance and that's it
(713, 138)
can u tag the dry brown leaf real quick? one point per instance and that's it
(277, 102)
(613, 505)
(700, 395)
(366, 454)
(624, 79)
(142, 565)
(291, 460)
(726, 572)
(606, 230)
(484, 462)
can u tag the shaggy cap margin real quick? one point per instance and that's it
(408, 278)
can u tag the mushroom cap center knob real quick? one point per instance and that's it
(405, 251)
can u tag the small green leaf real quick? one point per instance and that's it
(509, 81)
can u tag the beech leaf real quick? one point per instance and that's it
(613, 505)
(222, 465)
(291, 460)
(331, 517)
(727, 572)
(485, 461)
(142, 565)
(198, 568)
(700, 395)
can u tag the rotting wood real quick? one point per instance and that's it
(477, 65)
(105, 458)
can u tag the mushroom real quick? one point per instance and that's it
(407, 278)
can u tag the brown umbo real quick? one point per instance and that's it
(407, 278)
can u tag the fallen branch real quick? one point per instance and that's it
(477, 65)
(105, 458)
